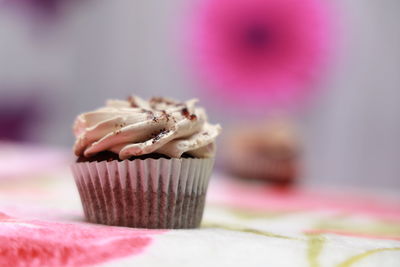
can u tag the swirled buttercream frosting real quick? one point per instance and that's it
(137, 127)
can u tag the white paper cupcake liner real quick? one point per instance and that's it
(150, 193)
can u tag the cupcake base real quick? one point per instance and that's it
(151, 193)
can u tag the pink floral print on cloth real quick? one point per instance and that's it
(43, 243)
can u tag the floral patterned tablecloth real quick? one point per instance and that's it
(42, 224)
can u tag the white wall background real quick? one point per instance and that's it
(104, 49)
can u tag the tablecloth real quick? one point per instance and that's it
(244, 224)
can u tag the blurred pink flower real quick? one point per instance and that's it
(45, 9)
(259, 51)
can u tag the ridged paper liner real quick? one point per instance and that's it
(150, 193)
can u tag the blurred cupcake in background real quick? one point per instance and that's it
(266, 151)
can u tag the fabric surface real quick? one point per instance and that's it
(42, 224)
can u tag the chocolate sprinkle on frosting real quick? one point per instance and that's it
(160, 135)
(132, 102)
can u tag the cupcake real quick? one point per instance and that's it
(144, 164)
(267, 150)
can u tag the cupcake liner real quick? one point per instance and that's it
(150, 193)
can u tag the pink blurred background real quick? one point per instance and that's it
(60, 58)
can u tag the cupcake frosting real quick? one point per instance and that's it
(137, 127)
